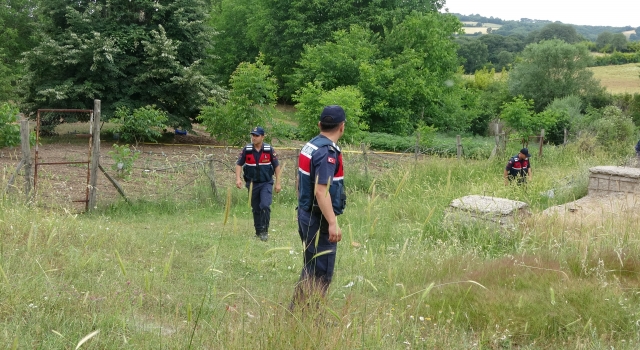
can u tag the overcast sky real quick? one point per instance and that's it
(616, 13)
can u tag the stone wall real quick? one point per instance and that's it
(614, 179)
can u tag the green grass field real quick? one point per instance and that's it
(618, 79)
(190, 275)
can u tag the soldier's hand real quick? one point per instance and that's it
(335, 233)
(278, 188)
(239, 184)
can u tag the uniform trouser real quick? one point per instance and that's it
(317, 272)
(261, 197)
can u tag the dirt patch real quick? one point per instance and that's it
(178, 170)
(595, 209)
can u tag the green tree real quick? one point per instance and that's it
(406, 77)
(250, 102)
(614, 130)
(9, 127)
(233, 21)
(336, 63)
(311, 100)
(17, 35)
(564, 32)
(126, 53)
(496, 44)
(473, 53)
(553, 69)
(281, 28)
(519, 116)
(144, 124)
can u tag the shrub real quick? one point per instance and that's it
(9, 128)
(123, 158)
(144, 124)
(614, 130)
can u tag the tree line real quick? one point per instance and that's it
(396, 66)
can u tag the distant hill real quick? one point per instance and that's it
(526, 26)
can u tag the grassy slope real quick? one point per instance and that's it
(173, 275)
(619, 79)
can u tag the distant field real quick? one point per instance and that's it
(619, 79)
(488, 25)
(628, 33)
(473, 30)
(470, 27)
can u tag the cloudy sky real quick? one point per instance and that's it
(616, 13)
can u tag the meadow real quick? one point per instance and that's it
(624, 78)
(189, 274)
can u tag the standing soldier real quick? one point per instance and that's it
(518, 168)
(258, 163)
(321, 199)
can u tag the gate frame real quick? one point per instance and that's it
(93, 157)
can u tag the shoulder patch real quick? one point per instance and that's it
(331, 160)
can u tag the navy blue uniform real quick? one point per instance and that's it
(320, 159)
(258, 168)
(518, 168)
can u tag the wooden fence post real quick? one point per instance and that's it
(541, 142)
(26, 156)
(95, 156)
(212, 178)
(366, 161)
(417, 146)
(564, 143)
(458, 146)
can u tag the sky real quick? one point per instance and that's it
(615, 13)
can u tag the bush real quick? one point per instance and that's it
(614, 130)
(123, 158)
(442, 145)
(9, 127)
(144, 124)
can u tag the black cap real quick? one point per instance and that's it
(257, 131)
(333, 114)
(525, 152)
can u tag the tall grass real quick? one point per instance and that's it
(191, 275)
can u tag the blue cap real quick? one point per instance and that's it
(333, 114)
(257, 131)
(525, 152)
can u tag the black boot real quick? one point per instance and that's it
(264, 234)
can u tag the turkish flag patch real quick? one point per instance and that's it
(331, 160)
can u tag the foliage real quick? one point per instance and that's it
(617, 58)
(568, 112)
(233, 21)
(435, 144)
(406, 77)
(614, 130)
(610, 42)
(144, 124)
(312, 99)
(518, 115)
(553, 69)
(281, 28)
(125, 53)
(630, 105)
(501, 47)
(473, 53)
(17, 35)
(123, 157)
(564, 32)
(9, 127)
(415, 81)
(250, 102)
(337, 62)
